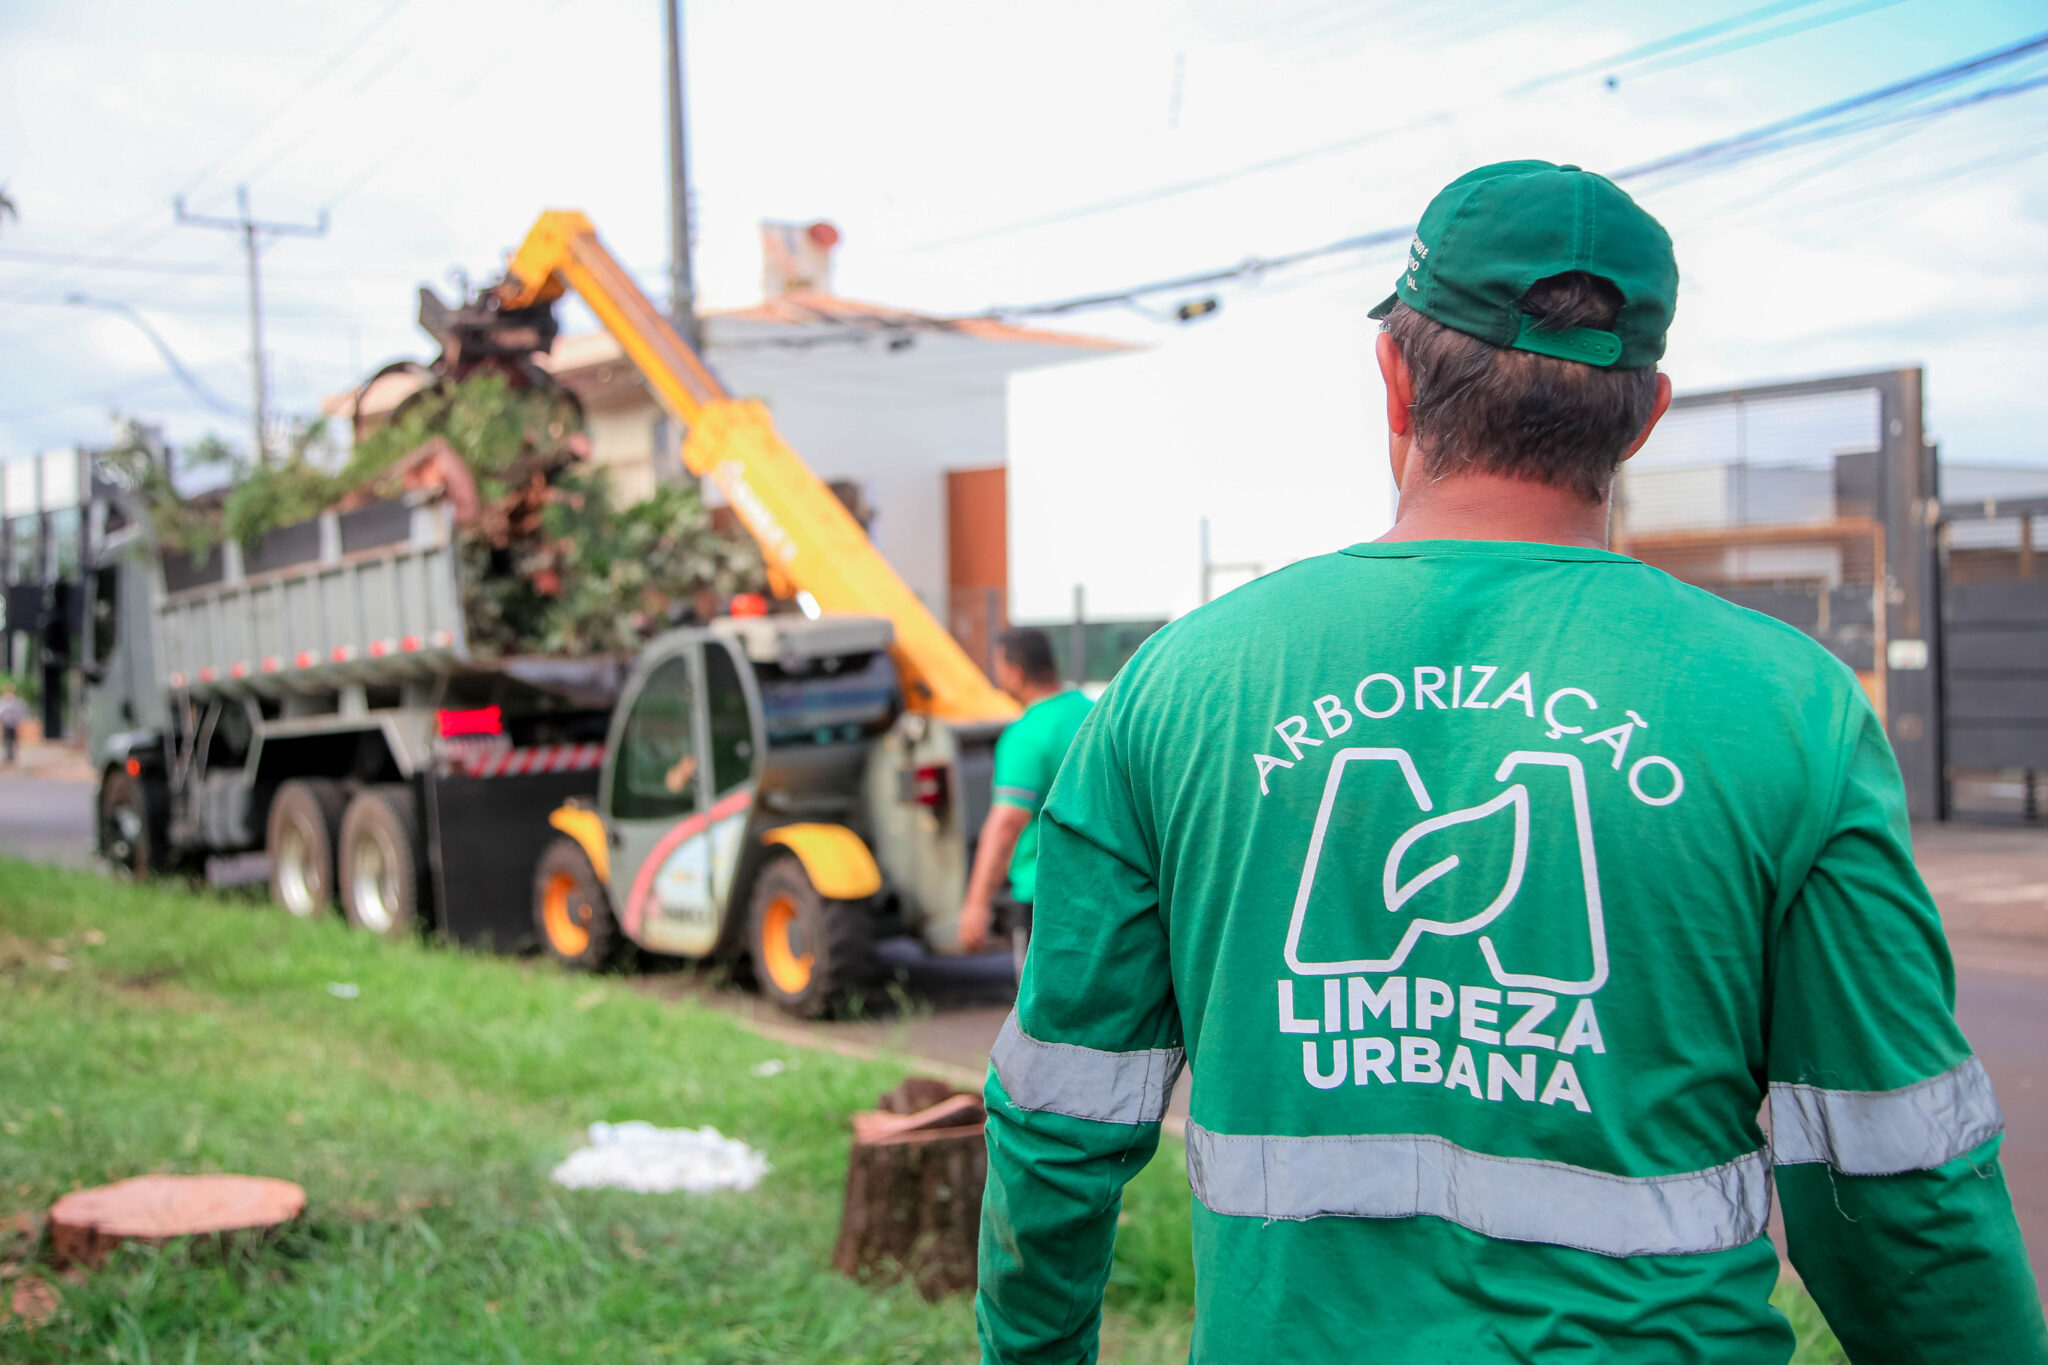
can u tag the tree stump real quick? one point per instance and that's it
(156, 1209)
(913, 1190)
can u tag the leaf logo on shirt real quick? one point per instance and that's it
(1448, 896)
(1398, 893)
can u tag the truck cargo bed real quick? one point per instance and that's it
(368, 596)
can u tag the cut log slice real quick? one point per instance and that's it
(155, 1209)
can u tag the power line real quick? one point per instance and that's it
(1769, 35)
(341, 54)
(1743, 144)
(177, 367)
(1342, 145)
(1658, 46)
(1696, 161)
(122, 236)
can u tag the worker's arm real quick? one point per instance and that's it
(1884, 1127)
(1080, 1077)
(999, 834)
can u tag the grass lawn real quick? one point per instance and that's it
(157, 1029)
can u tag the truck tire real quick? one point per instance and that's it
(572, 910)
(811, 956)
(305, 827)
(131, 826)
(379, 862)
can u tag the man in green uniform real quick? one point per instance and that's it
(1491, 883)
(1028, 756)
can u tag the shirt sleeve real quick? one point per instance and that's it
(1018, 777)
(1080, 1078)
(1883, 1124)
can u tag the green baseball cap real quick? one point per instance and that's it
(1492, 233)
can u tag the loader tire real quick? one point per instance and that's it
(305, 829)
(573, 911)
(811, 956)
(380, 864)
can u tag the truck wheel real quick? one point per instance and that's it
(571, 909)
(305, 825)
(811, 955)
(131, 834)
(380, 862)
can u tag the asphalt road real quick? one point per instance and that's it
(1991, 884)
(45, 820)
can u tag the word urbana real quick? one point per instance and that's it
(1564, 712)
(1484, 1015)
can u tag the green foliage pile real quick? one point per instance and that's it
(554, 564)
(602, 578)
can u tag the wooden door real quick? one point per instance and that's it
(978, 558)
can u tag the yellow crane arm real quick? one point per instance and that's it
(809, 539)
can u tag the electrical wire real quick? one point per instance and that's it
(1658, 46)
(1349, 144)
(1707, 158)
(163, 349)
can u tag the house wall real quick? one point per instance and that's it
(897, 443)
(1267, 420)
(622, 444)
(896, 440)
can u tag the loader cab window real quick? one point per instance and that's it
(732, 728)
(657, 763)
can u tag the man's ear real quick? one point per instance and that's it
(1657, 411)
(1400, 405)
(1400, 385)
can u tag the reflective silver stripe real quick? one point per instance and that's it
(1885, 1132)
(1082, 1082)
(1513, 1199)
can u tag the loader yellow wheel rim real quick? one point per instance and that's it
(787, 968)
(560, 910)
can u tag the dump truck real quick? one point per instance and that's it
(787, 788)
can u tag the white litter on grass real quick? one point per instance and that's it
(343, 990)
(638, 1156)
(774, 1066)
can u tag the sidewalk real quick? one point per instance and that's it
(58, 762)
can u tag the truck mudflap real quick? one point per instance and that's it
(485, 836)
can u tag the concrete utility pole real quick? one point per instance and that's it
(681, 288)
(253, 233)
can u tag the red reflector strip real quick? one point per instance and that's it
(238, 670)
(540, 758)
(343, 653)
(379, 648)
(270, 664)
(303, 659)
(409, 643)
(206, 675)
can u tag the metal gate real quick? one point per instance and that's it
(1809, 502)
(1994, 658)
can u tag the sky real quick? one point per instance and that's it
(997, 154)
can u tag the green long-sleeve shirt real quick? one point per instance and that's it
(1490, 891)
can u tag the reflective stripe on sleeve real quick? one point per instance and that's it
(1886, 1132)
(1083, 1082)
(1512, 1199)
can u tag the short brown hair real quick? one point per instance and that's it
(1482, 409)
(1029, 649)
